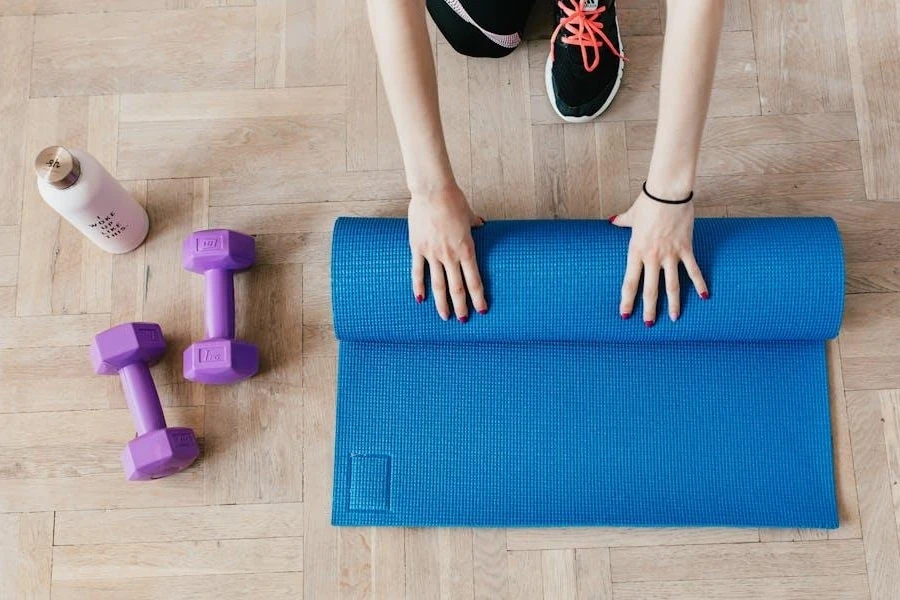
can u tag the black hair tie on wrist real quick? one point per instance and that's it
(664, 201)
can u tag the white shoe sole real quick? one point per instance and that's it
(548, 81)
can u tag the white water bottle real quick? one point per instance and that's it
(88, 197)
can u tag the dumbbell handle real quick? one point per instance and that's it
(219, 303)
(142, 398)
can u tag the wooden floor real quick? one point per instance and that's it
(269, 118)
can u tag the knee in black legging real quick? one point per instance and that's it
(464, 37)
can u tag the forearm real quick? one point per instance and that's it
(688, 66)
(407, 70)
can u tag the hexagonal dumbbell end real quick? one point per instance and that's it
(159, 453)
(204, 251)
(220, 361)
(126, 344)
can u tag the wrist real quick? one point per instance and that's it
(673, 183)
(426, 185)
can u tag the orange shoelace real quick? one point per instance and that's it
(586, 31)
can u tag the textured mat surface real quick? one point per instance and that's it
(551, 410)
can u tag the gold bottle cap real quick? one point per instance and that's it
(57, 166)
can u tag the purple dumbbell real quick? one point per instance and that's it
(217, 254)
(157, 451)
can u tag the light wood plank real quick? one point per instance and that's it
(25, 555)
(9, 240)
(241, 419)
(263, 187)
(356, 564)
(735, 561)
(490, 571)
(173, 559)
(47, 379)
(15, 70)
(848, 587)
(50, 331)
(50, 281)
(639, 18)
(502, 185)
(558, 574)
(612, 171)
(315, 39)
(764, 159)
(873, 484)
(174, 296)
(318, 340)
(590, 537)
(453, 96)
(7, 301)
(266, 297)
(869, 344)
(234, 104)
(107, 490)
(320, 539)
(271, 586)
(362, 90)
(875, 276)
(55, 7)
(890, 416)
(9, 270)
(317, 300)
(749, 131)
(388, 558)
(423, 567)
(73, 528)
(279, 249)
(129, 275)
(592, 574)
(730, 190)
(845, 478)
(802, 56)
(271, 43)
(300, 218)
(54, 444)
(234, 146)
(525, 575)
(872, 32)
(144, 51)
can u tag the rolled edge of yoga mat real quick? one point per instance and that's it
(769, 279)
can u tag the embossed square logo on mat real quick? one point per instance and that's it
(370, 482)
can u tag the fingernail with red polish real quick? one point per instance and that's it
(483, 311)
(419, 298)
(626, 315)
(649, 323)
(464, 318)
(704, 295)
(612, 219)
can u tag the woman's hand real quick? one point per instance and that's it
(661, 238)
(440, 232)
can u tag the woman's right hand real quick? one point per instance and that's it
(440, 233)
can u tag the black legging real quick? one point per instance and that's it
(501, 17)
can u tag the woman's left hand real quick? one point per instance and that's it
(661, 238)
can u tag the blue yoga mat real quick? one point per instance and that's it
(553, 411)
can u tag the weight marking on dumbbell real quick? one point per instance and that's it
(214, 354)
(184, 439)
(146, 334)
(209, 243)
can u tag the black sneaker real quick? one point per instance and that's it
(586, 59)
